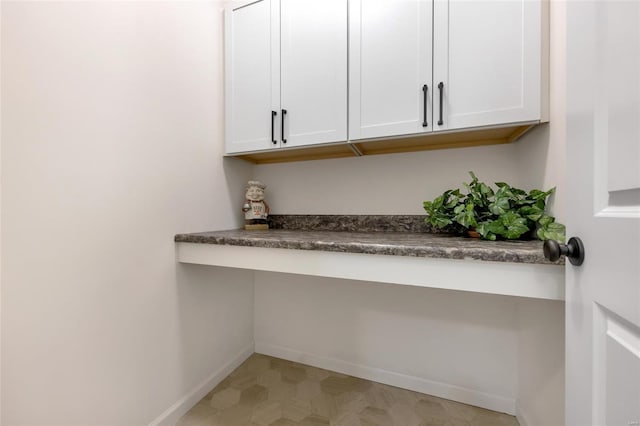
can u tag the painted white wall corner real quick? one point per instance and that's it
(112, 128)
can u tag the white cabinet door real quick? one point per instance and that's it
(603, 175)
(252, 85)
(487, 62)
(314, 71)
(390, 67)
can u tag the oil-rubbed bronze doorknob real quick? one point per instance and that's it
(574, 250)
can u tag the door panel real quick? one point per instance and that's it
(487, 54)
(314, 70)
(617, 361)
(603, 296)
(390, 59)
(251, 76)
(621, 80)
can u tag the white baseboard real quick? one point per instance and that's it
(418, 384)
(184, 404)
(522, 416)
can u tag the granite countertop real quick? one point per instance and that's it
(394, 243)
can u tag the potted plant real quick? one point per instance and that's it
(504, 213)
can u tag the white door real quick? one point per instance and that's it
(603, 295)
(487, 62)
(390, 67)
(314, 71)
(252, 76)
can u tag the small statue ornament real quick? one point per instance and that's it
(255, 209)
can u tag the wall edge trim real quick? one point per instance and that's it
(522, 416)
(178, 409)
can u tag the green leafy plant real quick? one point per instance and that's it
(504, 213)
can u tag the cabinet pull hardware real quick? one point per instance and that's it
(273, 136)
(284, 112)
(425, 91)
(441, 88)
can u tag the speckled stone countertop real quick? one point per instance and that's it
(351, 223)
(403, 243)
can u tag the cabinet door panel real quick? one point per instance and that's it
(314, 70)
(390, 62)
(487, 55)
(251, 76)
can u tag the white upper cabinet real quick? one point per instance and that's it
(252, 86)
(390, 68)
(486, 57)
(285, 74)
(487, 62)
(314, 71)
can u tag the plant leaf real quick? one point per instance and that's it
(507, 212)
(536, 194)
(533, 213)
(466, 216)
(546, 220)
(485, 233)
(499, 206)
(496, 227)
(552, 231)
(514, 224)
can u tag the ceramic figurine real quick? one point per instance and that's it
(255, 209)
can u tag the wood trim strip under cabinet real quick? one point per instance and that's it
(430, 141)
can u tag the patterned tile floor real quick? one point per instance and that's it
(269, 391)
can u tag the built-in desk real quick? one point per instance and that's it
(456, 345)
(514, 268)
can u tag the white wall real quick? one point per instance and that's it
(541, 363)
(457, 345)
(111, 144)
(381, 184)
(541, 154)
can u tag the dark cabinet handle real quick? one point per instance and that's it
(284, 112)
(574, 250)
(273, 118)
(425, 91)
(441, 88)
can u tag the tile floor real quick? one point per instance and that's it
(269, 391)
